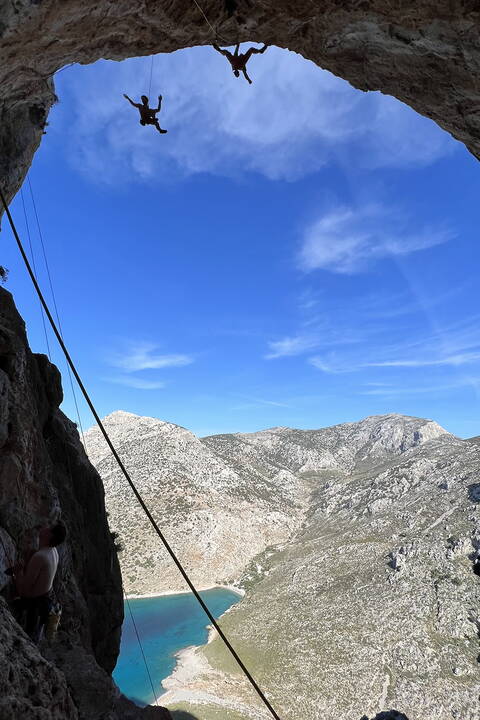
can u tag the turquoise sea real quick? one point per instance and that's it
(165, 624)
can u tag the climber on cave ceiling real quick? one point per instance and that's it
(238, 60)
(148, 115)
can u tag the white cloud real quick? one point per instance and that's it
(430, 358)
(453, 360)
(291, 346)
(293, 119)
(425, 388)
(347, 240)
(137, 383)
(254, 402)
(143, 357)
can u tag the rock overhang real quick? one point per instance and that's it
(426, 54)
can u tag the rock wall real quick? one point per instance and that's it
(45, 474)
(426, 53)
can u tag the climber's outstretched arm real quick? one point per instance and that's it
(222, 51)
(136, 105)
(256, 51)
(159, 104)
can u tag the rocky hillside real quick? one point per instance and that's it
(224, 499)
(216, 517)
(373, 604)
(360, 591)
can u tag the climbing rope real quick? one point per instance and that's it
(35, 271)
(215, 32)
(150, 83)
(124, 470)
(47, 267)
(140, 644)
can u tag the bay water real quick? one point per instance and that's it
(165, 624)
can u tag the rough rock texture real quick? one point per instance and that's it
(373, 603)
(44, 473)
(425, 53)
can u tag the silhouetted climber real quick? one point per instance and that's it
(239, 61)
(148, 116)
(34, 583)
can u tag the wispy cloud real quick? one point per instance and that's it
(347, 240)
(293, 120)
(254, 402)
(453, 346)
(452, 360)
(144, 357)
(425, 388)
(290, 346)
(137, 383)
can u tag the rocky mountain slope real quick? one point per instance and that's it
(224, 499)
(373, 604)
(367, 600)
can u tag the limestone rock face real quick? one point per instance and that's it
(44, 474)
(426, 53)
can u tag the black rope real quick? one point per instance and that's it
(124, 470)
(150, 83)
(141, 646)
(35, 271)
(55, 305)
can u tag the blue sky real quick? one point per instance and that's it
(294, 252)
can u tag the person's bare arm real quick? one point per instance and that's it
(136, 105)
(221, 50)
(257, 51)
(244, 70)
(25, 580)
(159, 104)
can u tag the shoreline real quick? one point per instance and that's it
(163, 593)
(187, 664)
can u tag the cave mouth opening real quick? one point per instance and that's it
(297, 133)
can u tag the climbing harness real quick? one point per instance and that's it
(123, 469)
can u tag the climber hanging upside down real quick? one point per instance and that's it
(239, 61)
(148, 116)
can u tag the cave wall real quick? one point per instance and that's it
(45, 474)
(425, 53)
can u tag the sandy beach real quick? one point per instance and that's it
(162, 593)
